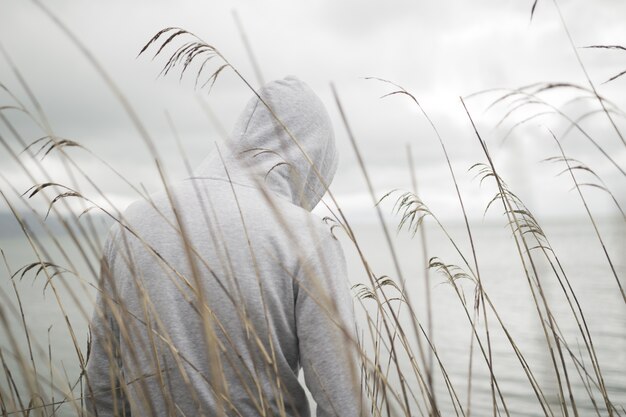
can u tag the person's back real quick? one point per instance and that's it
(223, 298)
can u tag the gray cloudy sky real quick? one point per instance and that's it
(437, 50)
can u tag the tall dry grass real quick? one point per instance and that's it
(399, 359)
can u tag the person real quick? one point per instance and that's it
(218, 291)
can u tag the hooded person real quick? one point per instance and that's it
(218, 291)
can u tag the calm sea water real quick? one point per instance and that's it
(504, 281)
(503, 277)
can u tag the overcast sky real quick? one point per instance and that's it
(438, 50)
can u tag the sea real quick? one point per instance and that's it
(48, 307)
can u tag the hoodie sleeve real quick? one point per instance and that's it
(104, 367)
(325, 325)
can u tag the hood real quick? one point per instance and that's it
(261, 151)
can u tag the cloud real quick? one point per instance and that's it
(437, 50)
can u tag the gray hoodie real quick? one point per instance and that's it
(216, 293)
